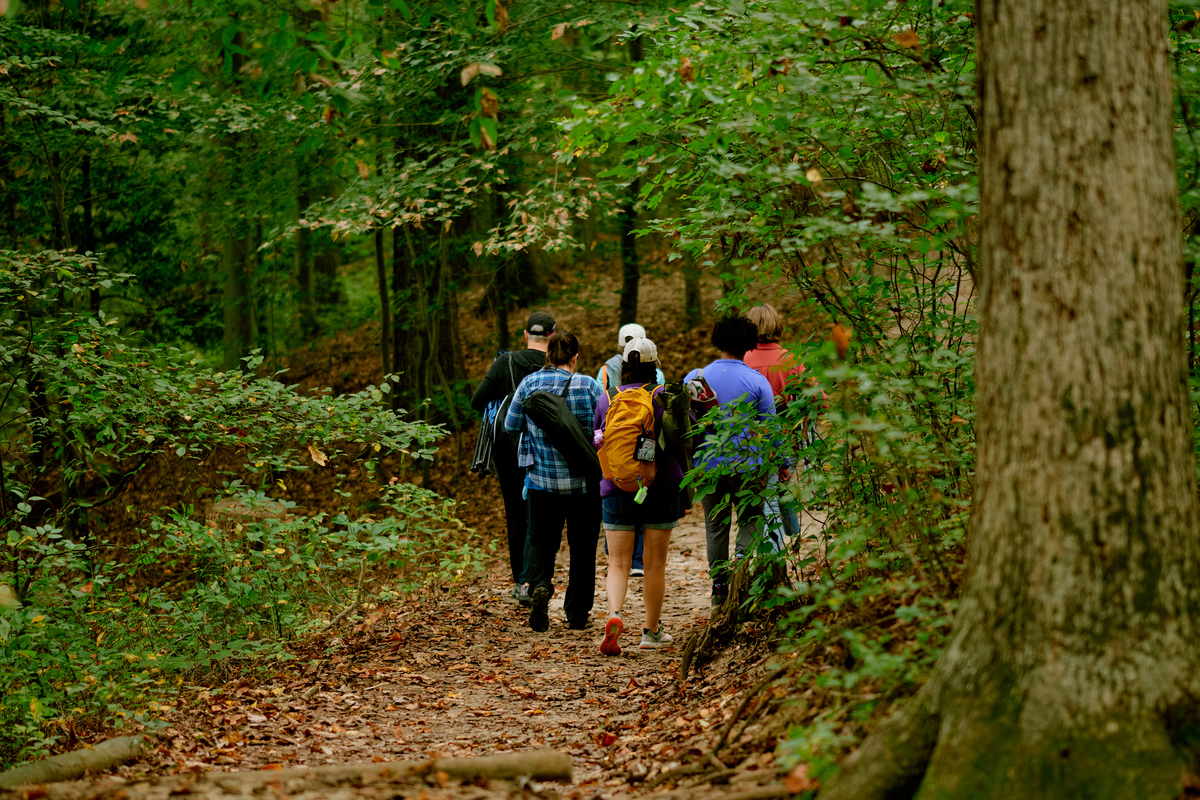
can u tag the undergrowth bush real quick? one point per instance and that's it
(100, 630)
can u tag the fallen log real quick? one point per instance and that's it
(69, 766)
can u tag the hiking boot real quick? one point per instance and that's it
(719, 592)
(522, 595)
(637, 572)
(539, 610)
(653, 640)
(612, 632)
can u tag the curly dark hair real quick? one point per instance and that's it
(735, 335)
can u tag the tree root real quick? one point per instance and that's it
(892, 760)
(701, 646)
(710, 758)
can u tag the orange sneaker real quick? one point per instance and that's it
(612, 632)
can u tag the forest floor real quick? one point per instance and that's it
(466, 676)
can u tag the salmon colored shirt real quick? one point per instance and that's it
(775, 364)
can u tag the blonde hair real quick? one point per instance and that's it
(768, 322)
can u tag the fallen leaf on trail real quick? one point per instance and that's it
(908, 38)
(559, 30)
(798, 780)
(271, 766)
(605, 738)
(443, 778)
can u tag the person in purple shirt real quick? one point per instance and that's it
(733, 382)
(658, 513)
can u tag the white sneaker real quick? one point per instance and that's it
(650, 641)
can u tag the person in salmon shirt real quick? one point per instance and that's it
(779, 367)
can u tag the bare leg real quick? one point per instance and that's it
(654, 584)
(620, 561)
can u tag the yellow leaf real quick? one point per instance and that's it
(559, 30)
(38, 618)
(279, 551)
(478, 248)
(317, 456)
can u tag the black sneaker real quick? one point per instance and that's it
(539, 611)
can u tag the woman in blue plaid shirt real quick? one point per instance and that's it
(556, 495)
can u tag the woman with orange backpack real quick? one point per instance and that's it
(640, 488)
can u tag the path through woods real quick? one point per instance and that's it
(467, 677)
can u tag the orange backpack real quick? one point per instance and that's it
(627, 454)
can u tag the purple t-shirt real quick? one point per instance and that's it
(669, 469)
(731, 380)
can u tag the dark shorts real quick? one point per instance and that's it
(661, 509)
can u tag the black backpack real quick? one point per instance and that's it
(550, 412)
(498, 432)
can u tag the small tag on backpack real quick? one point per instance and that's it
(645, 448)
(640, 497)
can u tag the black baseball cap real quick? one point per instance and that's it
(540, 324)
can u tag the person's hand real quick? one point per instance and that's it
(785, 474)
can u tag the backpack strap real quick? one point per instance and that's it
(511, 378)
(604, 376)
(567, 388)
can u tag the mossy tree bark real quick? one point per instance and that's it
(1073, 667)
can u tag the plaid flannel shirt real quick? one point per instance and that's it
(547, 469)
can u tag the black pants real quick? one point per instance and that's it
(516, 509)
(581, 513)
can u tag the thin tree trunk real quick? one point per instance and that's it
(306, 293)
(693, 303)
(241, 326)
(385, 305)
(631, 272)
(1073, 667)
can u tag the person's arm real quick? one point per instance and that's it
(515, 419)
(598, 420)
(494, 384)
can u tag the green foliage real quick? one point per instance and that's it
(828, 152)
(86, 407)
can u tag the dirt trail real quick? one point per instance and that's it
(468, 677)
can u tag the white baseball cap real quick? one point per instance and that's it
(642, 345)
(630, 331)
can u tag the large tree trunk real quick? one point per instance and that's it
(693, 303)
(241, 324)
(1073, 665)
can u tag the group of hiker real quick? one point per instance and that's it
(574, 452)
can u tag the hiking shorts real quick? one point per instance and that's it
(661, 509)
